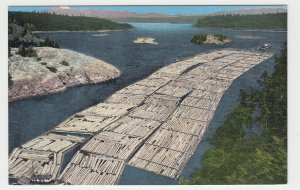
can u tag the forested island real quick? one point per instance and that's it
(200, 38)
(261, 21)
(251, 145)
(53, 22)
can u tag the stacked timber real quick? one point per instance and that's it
(71, 138)
(153, 82)
(162, 100)
(173, 140)
(194, 113)
(39, 160)
(107, 110)
(152, 112)
(175, 91)
(25, 164)
(206, 95)
(157, 159)
(167, 151)
(200, 103)
(180, 67)
(112, 144)
(52, 142)
(164, 75)
(92, 169)
(129, 99)
(184, 125)
(94, 119)
(85, 124)
(138, 89)
(134, 126)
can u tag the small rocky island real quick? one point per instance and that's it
(218, 39)
(145, 40)
(44, 70)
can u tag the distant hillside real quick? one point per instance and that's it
(108, 14)
(263, 21)
(255, 11)
(53, 22)
(125, 16)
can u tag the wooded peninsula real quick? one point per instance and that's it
(53, 22)
(262, 21)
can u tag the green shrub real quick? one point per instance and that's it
(43, 63)
(27, 52)
(199, 38)
(52, 69)
(65, 63)
(29, 27)
(49, 43)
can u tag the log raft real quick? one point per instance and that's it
(39, 160)
(154, 124)
(167, 151)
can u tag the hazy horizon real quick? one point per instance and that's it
(147, 9)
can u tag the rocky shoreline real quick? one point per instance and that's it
(54, 70)
(211, 39)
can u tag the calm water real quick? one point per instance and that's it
(31, 117)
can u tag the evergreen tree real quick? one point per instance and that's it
(236, 157)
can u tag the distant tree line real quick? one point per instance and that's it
(162, 19)
(262, 21)
(250, 147)
(53, 22)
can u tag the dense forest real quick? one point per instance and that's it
(250, 147)
(53, 22)
(263, 21)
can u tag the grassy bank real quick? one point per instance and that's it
(53, 22)
(250, 147)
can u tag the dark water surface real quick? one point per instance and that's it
(31, 117)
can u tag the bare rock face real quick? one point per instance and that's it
(211, 39)
(54, 70)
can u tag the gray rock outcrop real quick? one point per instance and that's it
(54, 70)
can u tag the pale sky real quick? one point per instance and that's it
(148, 9)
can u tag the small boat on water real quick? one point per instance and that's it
(264, 45)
